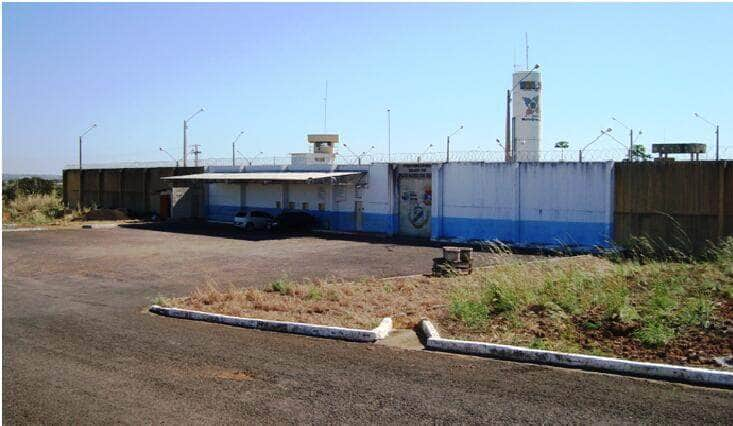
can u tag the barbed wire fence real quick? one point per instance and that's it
(549, 156)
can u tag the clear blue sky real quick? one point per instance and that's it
(139, 69)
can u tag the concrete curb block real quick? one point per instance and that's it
(692, 375)
(23, 229)
(350, 334)
(99, 226)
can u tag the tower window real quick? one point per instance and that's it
(530, 85)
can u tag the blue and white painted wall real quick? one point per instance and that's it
(524, 204)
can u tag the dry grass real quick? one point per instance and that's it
(360, 304)
(35, 209)
(580, 304)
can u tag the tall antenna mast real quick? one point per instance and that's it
(526, 47)
(514, 59)
(325, 108)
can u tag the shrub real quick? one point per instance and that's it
(160, 301)
(473, 313)
(654, 333)
(498, 298)
(27, 186)
(282, 286)
(697, 311)
(333, 295)
(314, 293)
(36, 208)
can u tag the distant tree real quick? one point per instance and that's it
(562, 145)
(639, 153)
(27, 186)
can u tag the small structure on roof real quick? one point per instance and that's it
(323, 151)
(664, 149)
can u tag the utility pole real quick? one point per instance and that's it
(631, 145)
(325, 108)
(507, 142)
(185, 136)
(447, 145)
(717, 135)
(81, 173)
(196, 151)
(389, 136)
(234, 148)
(631, 138)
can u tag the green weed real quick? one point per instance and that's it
(282, 286)
(654, 334)
(314, 293)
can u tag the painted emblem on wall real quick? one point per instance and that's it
(417, 216)
(427, 197)
(533, 109)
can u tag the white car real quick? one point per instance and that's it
(253, 219)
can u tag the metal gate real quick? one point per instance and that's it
(415, 200)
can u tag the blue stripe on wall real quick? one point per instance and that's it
(576, 235)
(338, 221)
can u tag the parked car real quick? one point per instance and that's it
(254, 219)
(293, 220)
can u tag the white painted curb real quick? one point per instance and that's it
(23, 229)
(99, 226)
(699, 376)
(350, 334)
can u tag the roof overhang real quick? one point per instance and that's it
(267, 177)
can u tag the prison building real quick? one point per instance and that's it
(554, 205)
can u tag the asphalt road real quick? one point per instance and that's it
(79, 346)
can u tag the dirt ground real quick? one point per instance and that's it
(79, 346)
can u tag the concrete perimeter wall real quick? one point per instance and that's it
(134, 189)
(526, 204)
(679, 203)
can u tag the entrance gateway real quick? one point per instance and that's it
(415, 189)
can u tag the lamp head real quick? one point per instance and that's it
(609, 130)
(697, 115)
(536, 66)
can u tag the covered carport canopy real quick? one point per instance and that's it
(266, 177)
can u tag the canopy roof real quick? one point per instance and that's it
(264, 177)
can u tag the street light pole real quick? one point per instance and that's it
(249, 162)
(631, 137)
(233, 147)
(185, 136)
(603, 132)
(81, 174)
(447, 145)
(169, 154)
(717, 135)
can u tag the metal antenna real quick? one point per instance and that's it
(514, 59)
(526, 47)
(325, 108)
